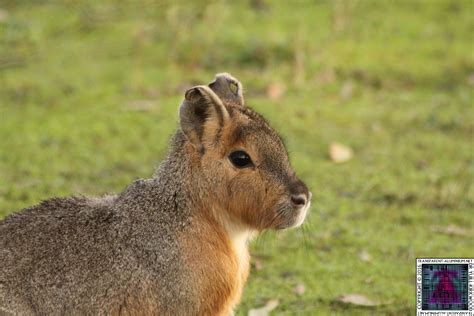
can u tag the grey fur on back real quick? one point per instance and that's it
(70, 255)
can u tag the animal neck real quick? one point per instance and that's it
(237, 233)
(175, 172)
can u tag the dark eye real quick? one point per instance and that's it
(240, 159)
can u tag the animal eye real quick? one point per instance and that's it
(240, 159)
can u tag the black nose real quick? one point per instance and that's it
(299, 200)
(299, 193)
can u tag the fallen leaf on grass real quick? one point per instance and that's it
(275, 91)
(3, 15)
(452, 230)
(257, 264)
(369, 280)
(299, 289)
(140, 105)
(265, 310)
(356, 299)
(340, 153)
(325, 77)
(347, 90)
(365, 256)
(376, 127)
(470, 79)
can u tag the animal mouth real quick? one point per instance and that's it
(290, 216)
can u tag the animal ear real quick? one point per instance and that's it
(228, 88)
(201, 115)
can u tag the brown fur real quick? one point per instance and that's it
(175, 244)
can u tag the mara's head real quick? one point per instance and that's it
(242, 160)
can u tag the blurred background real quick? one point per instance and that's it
(373, 98)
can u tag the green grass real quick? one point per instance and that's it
(89, 95)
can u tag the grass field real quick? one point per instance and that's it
(89, 93)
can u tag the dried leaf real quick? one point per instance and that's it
(376, 127)
(257, 264)
(299, 289)
(265, 310)
(140, 105)
(365, 256)
(3, 15)
(356, 299)
(347, 90)
(470, 79)
(340, 153)
(453, 230)
(325, 77)
(152, 93)
(276, 90)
